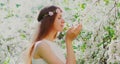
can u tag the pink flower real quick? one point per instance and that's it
(50, 13)
(57, 10)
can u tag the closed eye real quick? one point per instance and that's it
(59, 18)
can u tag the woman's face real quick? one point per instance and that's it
(59, 22)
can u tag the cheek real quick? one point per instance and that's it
(58, 26)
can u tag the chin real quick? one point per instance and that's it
(60, 30)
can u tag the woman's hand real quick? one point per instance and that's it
(73, 32)
(70, 36)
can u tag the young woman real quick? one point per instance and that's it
(44, 50)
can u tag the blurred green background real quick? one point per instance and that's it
(98, 42)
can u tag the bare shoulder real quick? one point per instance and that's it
(42, 44)
(45, 52)
(43, 47)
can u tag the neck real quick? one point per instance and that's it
(51, 36)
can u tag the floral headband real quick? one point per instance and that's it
(51, 13)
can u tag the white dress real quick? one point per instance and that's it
(54, 47)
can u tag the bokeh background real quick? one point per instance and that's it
(98, 42)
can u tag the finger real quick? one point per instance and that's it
(70, 29)
(80, 26)
(78, 29)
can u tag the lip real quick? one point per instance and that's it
(62, 25)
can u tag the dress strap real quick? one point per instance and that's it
(39, 42)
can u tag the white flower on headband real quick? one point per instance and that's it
(57, 10)
(50, 13)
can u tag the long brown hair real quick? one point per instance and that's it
(46, 24)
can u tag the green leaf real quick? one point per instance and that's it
(118, 14)
(82, 61)
(2, 4)
(101, 43)
(82, 6)
(39, 7)
(76, 15)
(61, 35)
(23, 36)
(74, 47)
(7, 61)
(110, 30)
(83, 47)
(66, 1)
(106, 2)
(118, 4)
(18, 5)
(10, 14)
(66, 8)
(86, 35)
(9, 38)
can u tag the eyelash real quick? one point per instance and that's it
(59, 18)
